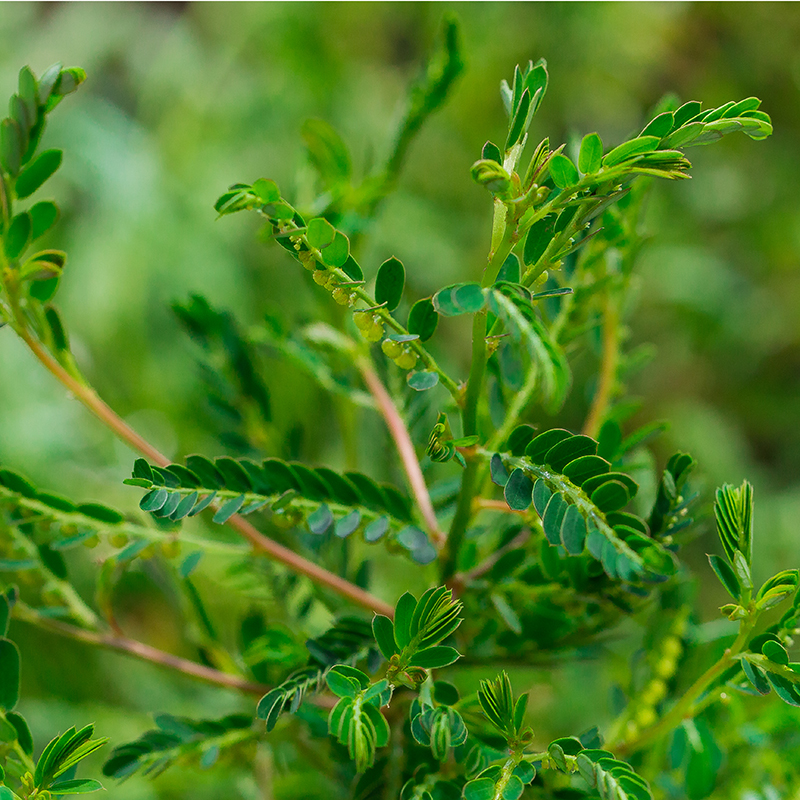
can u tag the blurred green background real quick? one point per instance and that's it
(183, 99)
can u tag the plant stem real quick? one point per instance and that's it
(685, 706)
(133, 647)
(278, 552)
(608, 369)
(405, 447)
(469, 481)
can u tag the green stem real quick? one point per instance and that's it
(608, 369)
(685, 707)
(470, 479)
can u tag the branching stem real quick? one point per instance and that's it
(470, 480)
(405, 447)
(139, 649)
(608, 369)
(276, 551)
(685, 707)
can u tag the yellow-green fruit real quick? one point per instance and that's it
(342, 296)
(374, 333)
(671, 647)
(363, 320)
(171, 548)
(148, 551)
(406, 360)
(307, 259)
(320, 276)
(91, 542)
(665, 668)
(118, 539)
(654, 692)
(331, 283)
(645, 717)
(392, 348)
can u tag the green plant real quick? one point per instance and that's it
(568, 554)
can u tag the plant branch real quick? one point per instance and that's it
(136, 648)
(405, 447)
(608, 369)
(469, 481)
(685, 707)
(278, 552)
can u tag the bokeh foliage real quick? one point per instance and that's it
(183, 98)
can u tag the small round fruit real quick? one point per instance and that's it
(320, 276)
(392, 348)
(342, 296)
(118, 539)
(363, 320)
(665, 668)
(645, 717)
(374, 333)
(671, 647)
(91, 542)
(406, 360)
(148, 551)
(170, 548)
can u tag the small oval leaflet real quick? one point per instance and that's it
(518, 491)
(422, 381)
(563, 171)
(423, 319)
(390, 282)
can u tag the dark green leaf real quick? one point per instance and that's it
(11, 146)
(519, 439)
(611, 496)
(573, 531)
(23, 731)
(83, 786)
(563, 171)
(153, 500)
(228, 509)
(492, 152)
(553, 517)
(726, 576)
(634, 147)
(435, 657)
(18, 235)
(756, 677)
(481, 789)
(582, 468)
(403, 614)
(390, 282)
(538, 449)
(498, 470)
(775, 652)
(567, 450)
(539, 237)
(659, 126)
(43, 216)
(37, 172)
(9, 675)
(422, 381)
(383, 630)
(590, 158)
(423, 319)
(518, 491)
